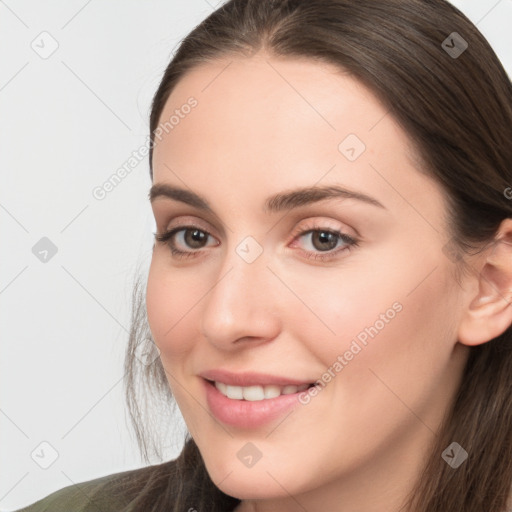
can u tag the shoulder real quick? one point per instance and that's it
(108, 493)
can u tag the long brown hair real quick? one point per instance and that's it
(457, 110)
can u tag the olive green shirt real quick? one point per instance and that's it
(134, 491)
(104, 494)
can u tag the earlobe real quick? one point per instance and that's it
(489, 312)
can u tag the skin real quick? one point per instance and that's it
(262, 126)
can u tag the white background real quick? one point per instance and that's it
(67, 123)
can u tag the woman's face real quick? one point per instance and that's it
(269, 287)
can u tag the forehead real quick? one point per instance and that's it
(286, 122)
(263, 95)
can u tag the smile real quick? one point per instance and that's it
(256, 393)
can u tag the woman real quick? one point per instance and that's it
(331, 277)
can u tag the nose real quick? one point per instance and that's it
(241, 305)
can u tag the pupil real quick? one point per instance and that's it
(325, 237)
(196, 238)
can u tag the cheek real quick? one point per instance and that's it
(170, 307)
(387, 317)
(396, 347)
(395, 376)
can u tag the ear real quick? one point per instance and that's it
(489, 312)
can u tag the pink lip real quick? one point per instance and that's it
(245, 413)
(251, 378)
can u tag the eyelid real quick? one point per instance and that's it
(311, 224)
(315, 225)
(185, 221)
(332, 255)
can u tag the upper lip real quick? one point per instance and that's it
(250, 378)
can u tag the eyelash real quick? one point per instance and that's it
(351, 242)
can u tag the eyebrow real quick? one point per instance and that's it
(282, 201)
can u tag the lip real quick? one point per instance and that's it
(251, 378)
(244, 413)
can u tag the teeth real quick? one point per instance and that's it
(235, 392)
(288, 390)
(256, 393)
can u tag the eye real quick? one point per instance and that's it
(190, 236)
(322, 239)
(325, 240)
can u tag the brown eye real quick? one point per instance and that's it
(190, 237)
(324, 240)
(194, 238)
(324, 244)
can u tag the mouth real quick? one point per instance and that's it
(253, 406)
(257, 393)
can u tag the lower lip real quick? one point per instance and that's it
(246, 413)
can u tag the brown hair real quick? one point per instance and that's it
(457, 111)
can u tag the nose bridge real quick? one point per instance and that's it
(239, 303)
(242, 271)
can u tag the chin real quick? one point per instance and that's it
(232, 478)
(260, 482)
(250, 488)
